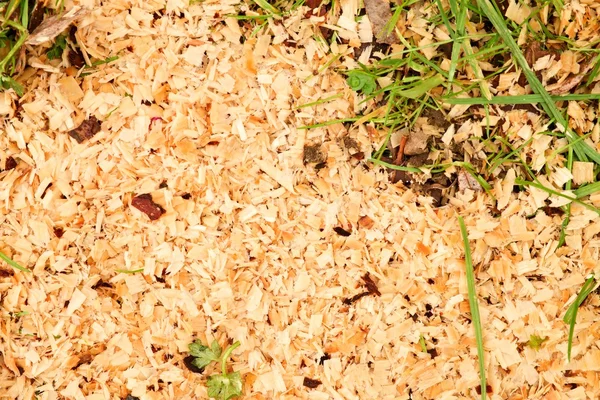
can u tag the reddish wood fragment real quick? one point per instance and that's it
(366, 222)
(10, 163)
(59, 232)
(86, 130)
(145, 204)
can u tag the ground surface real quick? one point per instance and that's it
(261, 241)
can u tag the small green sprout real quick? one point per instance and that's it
(57, 49)
(360, 80)
(223, 386)
(535, 342)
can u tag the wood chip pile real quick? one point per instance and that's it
(186, 207)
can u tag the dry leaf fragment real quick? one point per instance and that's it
(417, 143)
(466, 181)
(145, 204)
(53, 26)
(86, 130)
(380, 14)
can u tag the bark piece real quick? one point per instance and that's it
(86, 130)
(311, 383)
(54, 26)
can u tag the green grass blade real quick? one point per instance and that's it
(582, 149)
(536, 185)
(12, 263)
(474, 305)
(130, 271)
(587, 190)
(595, 71)
(267, 7)
(571, 314)
(521, 99)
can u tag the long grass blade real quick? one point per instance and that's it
(12, 263)
(571, 314)
(553, 192)
(522, 99)
(474, 305)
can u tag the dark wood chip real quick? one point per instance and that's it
(102, 284)
(320, 166)
(76, 58)
(186, 196)
(446, 49)
(341, 231)
(311, 383)
(37, 15)
(324, 357)
(86, 130)
(349, 300)
(435, 192)
(326, 32)
(433, 353)
(59, 232)
(10, 163)
(188, 362)
(553, 211)
(5, 272)
(145, 204)
(370, 284)
(488, 389)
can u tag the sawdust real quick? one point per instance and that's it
(244, 245)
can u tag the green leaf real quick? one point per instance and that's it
(7, 83)
(224, 386)
(204, 355)
(535, 342)
(57, 49)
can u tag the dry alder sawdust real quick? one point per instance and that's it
(251, 252)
